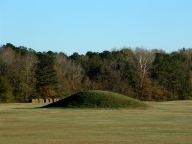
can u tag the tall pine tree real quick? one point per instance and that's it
(46, 75)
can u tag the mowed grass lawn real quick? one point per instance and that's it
(164, 123)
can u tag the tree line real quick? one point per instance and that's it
(140, 73)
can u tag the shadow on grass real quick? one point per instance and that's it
(28, 108)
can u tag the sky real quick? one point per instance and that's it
(95, 25)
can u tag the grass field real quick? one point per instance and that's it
(164, 123)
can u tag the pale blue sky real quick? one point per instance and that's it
(86, 25)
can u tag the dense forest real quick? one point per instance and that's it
(139, 73)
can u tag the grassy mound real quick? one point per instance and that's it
(97, 99)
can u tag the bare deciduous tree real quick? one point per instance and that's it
(143, 62)
(70, 74)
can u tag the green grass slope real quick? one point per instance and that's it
(97, 99)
